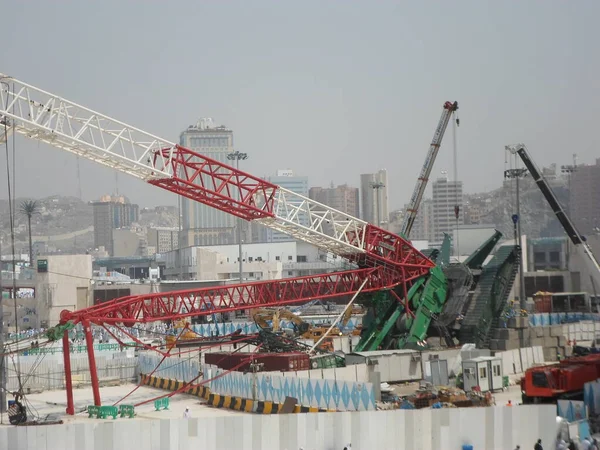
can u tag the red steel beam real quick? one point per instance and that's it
(205, 301)
(218, 185)
(391, 250)
(233, 191)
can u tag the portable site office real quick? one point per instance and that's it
(486, 372)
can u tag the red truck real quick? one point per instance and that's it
(566, 380)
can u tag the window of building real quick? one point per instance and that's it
(483, 372)
(250, 259)
(277, 258)
(496, 369)
(290, 258)
(251, 274)
(301, 259)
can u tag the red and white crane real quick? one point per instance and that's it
(384, 259)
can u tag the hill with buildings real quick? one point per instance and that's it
(66, 224)
(498, 206)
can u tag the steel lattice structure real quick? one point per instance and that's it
(66, 125)
(384, 259)
(203, 301)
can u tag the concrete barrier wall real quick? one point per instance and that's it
(519, 360)
(187, 368)
(269, 386)
(222, 329)
(586, 328)
(47, 371)
(545, 319)
(493, 428)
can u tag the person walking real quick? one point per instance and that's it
(538, 445)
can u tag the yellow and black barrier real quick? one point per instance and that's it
(225, 401)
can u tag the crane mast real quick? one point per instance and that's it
(417, 196)
(576, 238)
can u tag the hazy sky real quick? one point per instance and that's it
(330, 89)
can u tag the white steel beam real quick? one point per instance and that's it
(89, 134)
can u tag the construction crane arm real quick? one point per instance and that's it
(572, 232)
(415, 201)
(61, 123)
(211, 300)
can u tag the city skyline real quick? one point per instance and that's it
(331, 114)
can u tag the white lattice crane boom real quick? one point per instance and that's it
(61, 123)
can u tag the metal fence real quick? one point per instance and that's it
(47, 372)
(184, 368)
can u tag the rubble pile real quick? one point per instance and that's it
(428, 396)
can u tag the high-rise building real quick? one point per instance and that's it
(297, 184)
(446, 195)
(422, 229)
(202, 224)
(112, 212)
(343, 198)
(374, 198)
(163, 239)
(584, 198)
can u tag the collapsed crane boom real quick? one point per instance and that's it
(417, 196)
(570, 229)
(49, 118)
(219, 299)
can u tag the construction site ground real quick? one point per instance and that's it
(54, 403)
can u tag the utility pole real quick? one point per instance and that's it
(179, 232)
(3, 372)
(569, 169)
(517, 174)
(237, 156)
(377, 185)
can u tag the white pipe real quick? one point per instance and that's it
(339, 317)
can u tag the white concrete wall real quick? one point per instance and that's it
(519, 360)
(493, 428)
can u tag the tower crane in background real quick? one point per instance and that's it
(415, 201)
(576, 238)
(384, 260)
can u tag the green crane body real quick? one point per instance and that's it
(388, 325)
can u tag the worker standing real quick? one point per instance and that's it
(509, 403)
(538, 445)
(187, 414)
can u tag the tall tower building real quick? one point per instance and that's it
(286, 179)
(343, 198)
(584, 198)
(446, 194)
(201, 224)
(111, 213)
(374, 198)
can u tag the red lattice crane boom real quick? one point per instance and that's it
(385, 259)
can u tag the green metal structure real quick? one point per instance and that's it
(490, 296)
(440, 300)
(389, 325)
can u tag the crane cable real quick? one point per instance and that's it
(11, 207)
(455, 125)
(189, 385)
